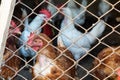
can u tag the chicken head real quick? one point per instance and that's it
(14, 29)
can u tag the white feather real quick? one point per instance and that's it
(77, 11)
(78, 42)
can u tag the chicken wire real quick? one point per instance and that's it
(85, 68)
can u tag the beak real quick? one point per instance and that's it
(19, 33)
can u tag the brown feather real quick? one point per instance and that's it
(10, 59)
(112, 61)
(59, 66)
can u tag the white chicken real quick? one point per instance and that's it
(29, 28)
(77, 13)
(78, 42)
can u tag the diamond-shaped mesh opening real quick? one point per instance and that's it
(58, 58)
(87, 59)
(97, 48)
(113, 2)
(90, 19)
(112, 19)
(49, 29)
(81, 72)
(112, 39)
(102, 8)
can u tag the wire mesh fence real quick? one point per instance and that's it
(63, 40)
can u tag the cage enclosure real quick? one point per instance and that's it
(60, 40)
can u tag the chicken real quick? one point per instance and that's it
(81, 42)
(56, 16)
(103, 8)
(78, 14)
(11, 60)
(51, 63)
(47, 29)
(34, 26)
(109, 62)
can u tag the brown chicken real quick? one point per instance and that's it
(11, 61)
(50, 63)
(110, 61)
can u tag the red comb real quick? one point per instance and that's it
(13, 24)
(46, 12)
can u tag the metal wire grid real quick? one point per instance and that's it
(99, 40)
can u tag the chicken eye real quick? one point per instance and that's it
(45, 17)
(37, 41)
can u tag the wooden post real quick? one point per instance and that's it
(6, 11)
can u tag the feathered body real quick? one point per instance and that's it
(81, 42)
(78, 14)
(51, 8)
(11, 60)
(46, 68)
(25, 50)
(103, 7)
(111, 59)
(34, 26)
